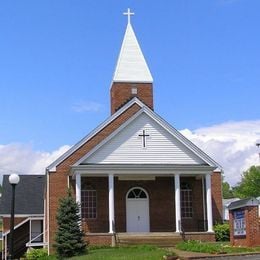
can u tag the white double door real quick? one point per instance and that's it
(137, 215)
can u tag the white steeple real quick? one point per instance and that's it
(131, 65)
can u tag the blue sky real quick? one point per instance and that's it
(57, 59)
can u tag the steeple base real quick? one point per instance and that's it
(122, 92)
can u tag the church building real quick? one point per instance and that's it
(135, 173)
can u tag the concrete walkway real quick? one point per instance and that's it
(185, 255)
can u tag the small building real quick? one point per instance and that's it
(29, 213)
(226, 203)
(244, 222)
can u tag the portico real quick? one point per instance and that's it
(120, 180)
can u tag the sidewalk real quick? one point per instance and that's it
(185, 255)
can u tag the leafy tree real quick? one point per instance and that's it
(250, 183)
(69, 237)
(227, 190)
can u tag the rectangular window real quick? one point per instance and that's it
(88, 204)
(186, 203)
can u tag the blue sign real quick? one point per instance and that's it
(239, 223)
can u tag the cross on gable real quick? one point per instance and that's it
(128, 13)
(144, 138)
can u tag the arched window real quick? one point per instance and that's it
(88, 202)
(186, 200)
(136, 193)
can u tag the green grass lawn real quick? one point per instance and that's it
(214, 248)
(124, 253)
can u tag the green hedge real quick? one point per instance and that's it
(37, 254)
(222, 232)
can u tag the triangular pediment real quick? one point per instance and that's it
(126, 146)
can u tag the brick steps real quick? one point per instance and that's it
(158, 239)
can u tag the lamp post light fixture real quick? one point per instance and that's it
(13, 180)
(258, 145)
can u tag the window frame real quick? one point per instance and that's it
(87, 212)
(186, 201)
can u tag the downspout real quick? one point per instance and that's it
(48, 211)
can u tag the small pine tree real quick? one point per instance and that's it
(69, 237)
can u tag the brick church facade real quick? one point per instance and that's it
(135, 173)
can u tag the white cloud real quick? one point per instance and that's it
(22, 159)
(87, 106)
(231, 144)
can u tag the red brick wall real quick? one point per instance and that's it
(206, 237)
(196, 222)
(162, 218)
(216, 189)
(252, 237)
(159, 191)
(99, 239)
(100, 224)
(6, 222)
(120, 94)
(58, 180)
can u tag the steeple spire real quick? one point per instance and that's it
(132, 77)
(131, 65)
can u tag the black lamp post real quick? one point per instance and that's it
(13, 180)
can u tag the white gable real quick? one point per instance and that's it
(131, 65)
(126, 147)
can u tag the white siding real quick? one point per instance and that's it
(127, 146)
(131, 65)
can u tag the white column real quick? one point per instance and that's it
(177, 201)
(209, 203)
(78, 191)
(111, 202)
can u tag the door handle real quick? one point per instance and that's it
(138, 218)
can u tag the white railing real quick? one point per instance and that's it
(37, 243)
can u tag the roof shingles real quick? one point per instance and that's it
(29, 195)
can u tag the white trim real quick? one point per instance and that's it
(154, 116)
(3, 242)
(22, 215)
(177, 203)
(135, 100)
(165, 125)
(111, 206)
(209, 203)
(30, 230)
(44, 218)
(23, 222)
(78, 191)
(104, 141)
(68, 181)
(6, 248)
(16, 226)
(48, 211)
(142, 169)
(137, 187)
(136, 178)
(30, 244)
(181, 138)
